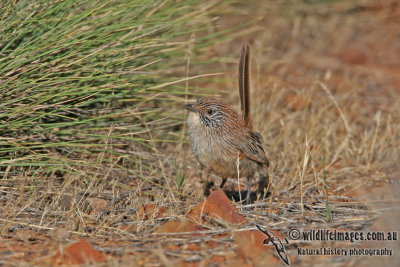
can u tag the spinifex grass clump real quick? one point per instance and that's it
(80, 83)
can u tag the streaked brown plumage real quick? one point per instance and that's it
(219, 136)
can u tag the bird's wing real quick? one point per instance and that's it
(252, 148)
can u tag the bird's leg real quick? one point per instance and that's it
(263, 183)
(222, 183)
(248, 190)
(207, 185)
(201, 172)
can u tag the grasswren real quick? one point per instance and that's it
(222, 141)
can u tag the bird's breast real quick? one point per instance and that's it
(214, 153)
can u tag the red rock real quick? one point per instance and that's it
(250, 246)
(81, 252)
(217, 205)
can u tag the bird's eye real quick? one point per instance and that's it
(210, 111)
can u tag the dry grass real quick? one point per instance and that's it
(324, 83)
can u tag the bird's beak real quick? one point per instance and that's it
(190, 107)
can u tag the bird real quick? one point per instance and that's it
(223, 141)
